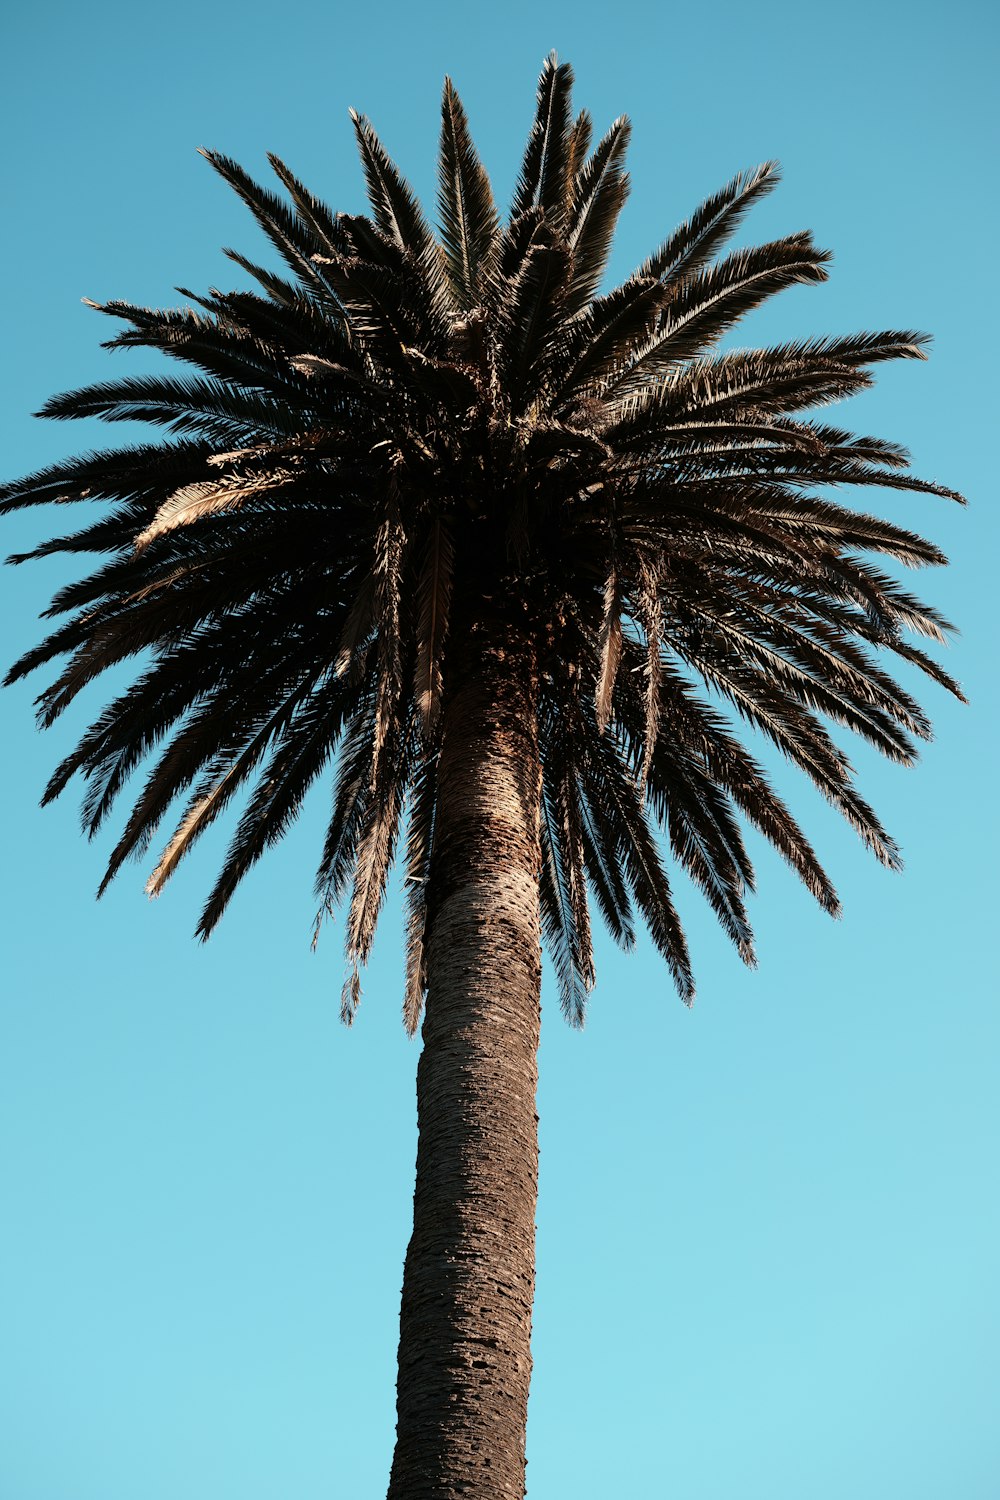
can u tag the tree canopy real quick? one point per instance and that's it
(403, 429)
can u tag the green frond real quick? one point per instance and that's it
(605, 335)
(317, 219)
(293, 240)
(123, 474)
(533, 318)
(703, 734)
(542, 179)
(774, 712)
(376, 845)
(705, 839)
(562, 886)
(277, 287)
(576, 151)
(112, 532)
(604, 873)
(434, 590)
(222, 741)
(599, 194)
(608, 783)
(351, 798)
(394, 206)
(708, 304)
(558, 927)
(695, 242)
(181, 678)
(276, 799)
(469, 220)
(217, 411)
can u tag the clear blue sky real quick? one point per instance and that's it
(768, 1230)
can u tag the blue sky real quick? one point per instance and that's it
(768, 1229)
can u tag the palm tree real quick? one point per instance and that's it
(500, 548)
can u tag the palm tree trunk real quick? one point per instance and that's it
(468, 1283)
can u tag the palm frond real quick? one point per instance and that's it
(469, 220)
(599, 194)
(533, 317)
(433, 603)
(542, 179)
(576, 150)
(695, 242)
(394, 206)
(608, 783)
(710, 303)
(318, 219)
(562, 886)
(293, 240)
(376, 844)
(351, 799)
(275, 802)
(124, 474)
(604, 873)
(224, 414)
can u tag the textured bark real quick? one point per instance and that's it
(468, 1283)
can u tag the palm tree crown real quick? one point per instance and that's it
(404, 435)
